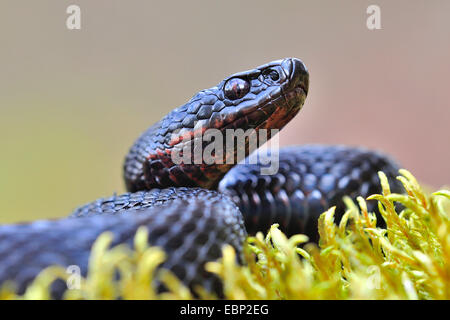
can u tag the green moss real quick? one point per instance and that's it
(410, 259)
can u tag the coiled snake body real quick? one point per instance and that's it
(192, 209)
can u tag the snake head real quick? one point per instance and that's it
(277, 92)
(266, 97)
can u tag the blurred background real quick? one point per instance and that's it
(73, 101)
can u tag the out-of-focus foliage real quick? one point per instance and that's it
(410, 259)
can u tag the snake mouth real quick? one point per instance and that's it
(295, 98)
(303, 87)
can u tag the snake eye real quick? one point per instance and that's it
(236, 88)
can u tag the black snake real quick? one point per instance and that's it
(192, 209)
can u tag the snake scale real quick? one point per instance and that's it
(192, 209)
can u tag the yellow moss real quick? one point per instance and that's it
(410, 259)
